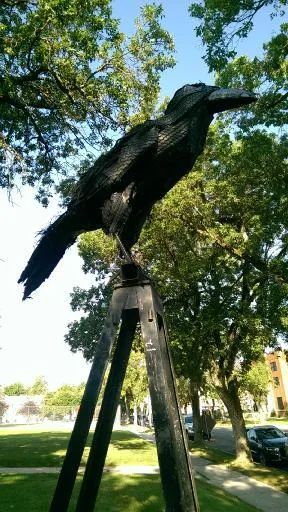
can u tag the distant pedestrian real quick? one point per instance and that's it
(208, 423)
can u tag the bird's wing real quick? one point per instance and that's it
(113, 171)
(110, 173)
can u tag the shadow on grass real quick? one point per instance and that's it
(133, 493)
(216, 456)
(127, 441)
(32, 449)
(136, 493)
(47, 449)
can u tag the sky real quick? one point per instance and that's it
(32, 332)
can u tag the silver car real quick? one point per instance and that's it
(188, 424)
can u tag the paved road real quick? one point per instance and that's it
(224, 440)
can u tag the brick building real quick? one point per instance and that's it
(279, 393)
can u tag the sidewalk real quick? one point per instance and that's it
(247, 489)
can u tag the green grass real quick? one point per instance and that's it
(277, 421)
(133, 493)
(250, 422)
(137, 493)
(20, 448)
(213, 454)
(268, 475)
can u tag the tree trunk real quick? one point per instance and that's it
(197, 427)
(135, 415)
(229, 395)
(149, 412)
(127, 409)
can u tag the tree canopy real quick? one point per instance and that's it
(257, 382)
(66, 395)
(216, 245)
(221, 25)
(135, 385)
(15, 389)
(39, 386)
(217, 248)
(69, 79)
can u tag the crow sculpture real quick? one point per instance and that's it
(117, 193)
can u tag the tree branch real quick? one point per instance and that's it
(255, 260)
(30, 77)
(276, 102)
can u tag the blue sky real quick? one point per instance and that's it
(31, 333)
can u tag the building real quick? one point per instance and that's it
(279, 390)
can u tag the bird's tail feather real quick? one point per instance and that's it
(54, 241)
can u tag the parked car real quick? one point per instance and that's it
(268, 444)
(188, 425)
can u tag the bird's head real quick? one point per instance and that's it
(216, 99)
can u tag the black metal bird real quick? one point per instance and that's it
(117, 193)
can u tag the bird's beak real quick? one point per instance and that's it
(226, 99)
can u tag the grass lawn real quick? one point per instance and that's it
(133, 493)
(137, 493)
(28, 448)
(278, 422)
(268, 475)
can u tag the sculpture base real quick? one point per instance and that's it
(133, 301)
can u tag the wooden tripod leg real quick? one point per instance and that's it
(174, 460)
(67, 477)
(102, 435)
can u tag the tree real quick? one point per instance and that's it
(3, 406)
(220, 26)
(69, 79)
(213, 247)
(66, 395)
(39, 387)
(183, 389)
(217, 245)
(223, 24)
(63, 401)
(84, 333)
(135, 385)
(30, 408)
(15, 389)
(257, 382)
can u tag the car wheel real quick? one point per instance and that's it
(262, 459)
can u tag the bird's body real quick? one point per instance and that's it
(119, 190)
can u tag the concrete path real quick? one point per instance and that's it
(247, 489)
(125, 470)
(28, 471)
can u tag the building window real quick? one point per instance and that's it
(276, 382)
(280, 403)
(273, 366)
